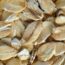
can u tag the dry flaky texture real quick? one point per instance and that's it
(32, 32)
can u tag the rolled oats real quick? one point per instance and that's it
(32, 32)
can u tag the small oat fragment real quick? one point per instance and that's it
(60, 20)
(24, 54)
(16, 43)
(7, 52)
(47, 6)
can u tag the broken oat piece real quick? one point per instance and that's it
(23, 54)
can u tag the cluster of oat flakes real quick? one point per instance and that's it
(32, 32)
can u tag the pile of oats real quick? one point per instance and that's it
(32, 32)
